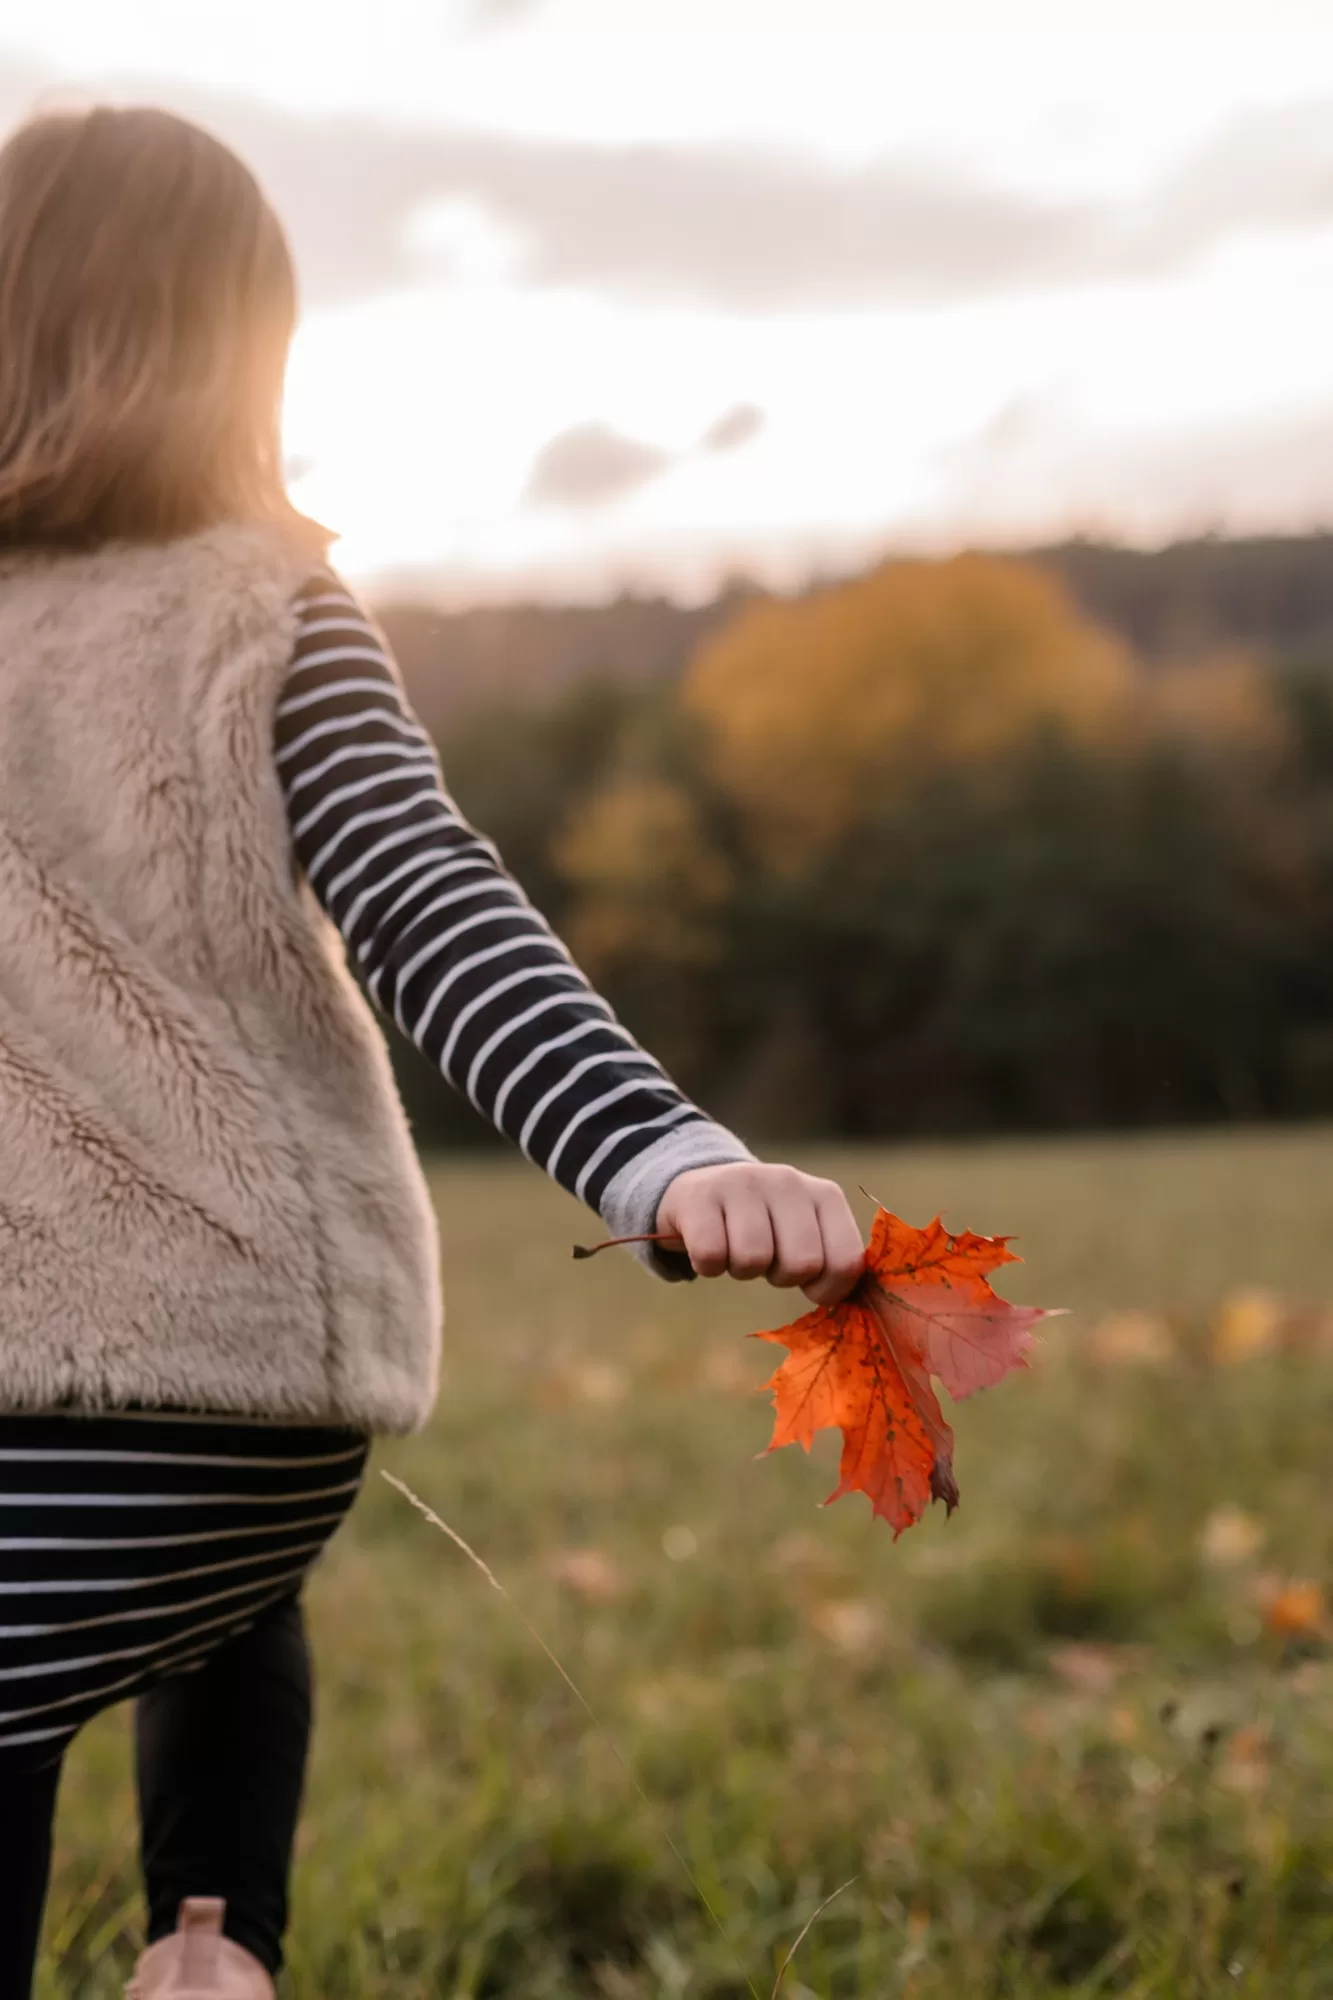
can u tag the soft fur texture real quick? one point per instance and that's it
(209, 1196)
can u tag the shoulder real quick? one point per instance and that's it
(336, 638)
(322, 589)
(330, 615)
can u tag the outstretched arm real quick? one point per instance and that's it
(451, 950)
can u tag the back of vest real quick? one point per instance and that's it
(209, 1197)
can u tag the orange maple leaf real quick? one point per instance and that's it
(922, 1308)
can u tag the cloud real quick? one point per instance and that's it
(734, 429)
(1266, 170)
(744, 229)
(498, 13)
(761, 230)
(754, 230)
(346, 189)
(591, 464)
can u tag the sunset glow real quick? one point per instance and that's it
(958, 285)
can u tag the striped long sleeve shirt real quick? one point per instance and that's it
(450, 948)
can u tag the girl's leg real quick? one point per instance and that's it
(221, 1757)
(27, 1812)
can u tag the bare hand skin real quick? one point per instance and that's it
(751, 1220)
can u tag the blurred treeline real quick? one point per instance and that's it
(994, 843)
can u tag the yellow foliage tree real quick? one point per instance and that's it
(814, 708)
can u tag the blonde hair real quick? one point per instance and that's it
(147, 303)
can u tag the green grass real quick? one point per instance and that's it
(1056, 1746)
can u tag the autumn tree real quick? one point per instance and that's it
(814, 708)
(929, 852)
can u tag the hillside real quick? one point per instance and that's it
(1273, 596)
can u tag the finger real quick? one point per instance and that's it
(844, 1250)
(799, 1254)
(702, 1228)
(749, 1236)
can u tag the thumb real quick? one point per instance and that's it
(694, 1215)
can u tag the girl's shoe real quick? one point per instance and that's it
(197, 1963)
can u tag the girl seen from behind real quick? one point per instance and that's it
(219, 1274)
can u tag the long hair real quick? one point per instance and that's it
(147, 303)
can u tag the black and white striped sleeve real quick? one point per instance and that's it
(449, 946)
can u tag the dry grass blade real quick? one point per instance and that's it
(588, 1710)
(804, 1933)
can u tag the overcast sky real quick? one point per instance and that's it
(609, 292)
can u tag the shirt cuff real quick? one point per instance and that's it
(630, 1203)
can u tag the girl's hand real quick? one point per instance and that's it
(756, 1221)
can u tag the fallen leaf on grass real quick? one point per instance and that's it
(851, 1625)
(1249, 1324)
(728, 1372)
(804, 1555)
(574, 1379)
(1296, 1609)
(588, 1573)
(600, 1383)
(1133, 1339)
(922, 1308)
(1230, 1537)
(1091, 1668)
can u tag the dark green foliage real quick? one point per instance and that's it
(1074, 936)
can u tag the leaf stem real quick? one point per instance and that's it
(614, 1242)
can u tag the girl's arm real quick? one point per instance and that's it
(451, 949)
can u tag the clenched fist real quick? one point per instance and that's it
(751, 1220)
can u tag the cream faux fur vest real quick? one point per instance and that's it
(209, 1196)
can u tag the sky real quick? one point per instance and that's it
(645, 294)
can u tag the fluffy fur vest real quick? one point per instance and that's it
(209, 1196)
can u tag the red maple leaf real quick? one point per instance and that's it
(923, 1308)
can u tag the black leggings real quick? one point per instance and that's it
(220, 1758)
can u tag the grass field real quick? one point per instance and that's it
(1077, 1740)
